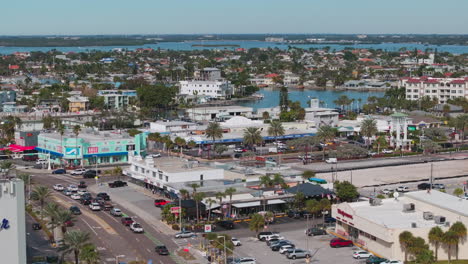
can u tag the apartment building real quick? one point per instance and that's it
(213, 88)
(441, 88)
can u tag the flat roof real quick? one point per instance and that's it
(173, 164)
(173, 123)
(108, 135)
(441, 200)
(390, 214)
(220, 108)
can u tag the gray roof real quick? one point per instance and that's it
(441, 200)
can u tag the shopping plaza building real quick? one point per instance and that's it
(12, 222)
(377, 224)
(90, 147)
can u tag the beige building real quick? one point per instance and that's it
(77, 103)
(377, 224)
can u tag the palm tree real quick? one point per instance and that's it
(194, 188)
(210, 203)
(198, 197)
(76, 131)
(326, 134)
(74, 242)
(406, 238)
(460, 230)
(26, 178)
(229, 192)
(278, 179)
(50, 211)
(256, 223)
(61, 131)
(214, 131)
(450, 239)
(183, 193)
(89, 254)
(276, 129)
(368, 128)
(41, 193)
(155, 137)
(252, 136)
(266, 181)
(436, 236)
(220, 196)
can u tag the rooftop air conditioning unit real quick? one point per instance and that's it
(408, 207)
(413, 225)
(375, 202)
(439, 219)
(428, 216)
(447, 224)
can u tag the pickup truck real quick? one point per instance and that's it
(117, 184)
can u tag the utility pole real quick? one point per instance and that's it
(432, 167)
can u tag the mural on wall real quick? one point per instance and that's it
(72, 151)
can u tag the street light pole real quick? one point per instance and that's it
(224, 246)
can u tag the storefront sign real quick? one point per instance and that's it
(5, 224)
(207, 228)
(72, 151)
(343, 213)
(175, 210)
(93, 150)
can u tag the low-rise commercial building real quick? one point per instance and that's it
(321, 116)
(377, 224)
(217, 113)
(90, 147)
(12, 222)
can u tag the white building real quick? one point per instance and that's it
(215, 88)
(160, 172)
(12, 222)
(208, 74)
(321, 116)
(217, 112)
(172, 126)
(440, 88)
(376, 225)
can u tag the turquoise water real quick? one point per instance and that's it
(243, 44)
(271, 98)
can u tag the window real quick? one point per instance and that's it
(428, 91)
(460, 91)
(160, 176)
(408, 96)
(167, 178)
(434, 91)
(154, 174)
(415, 96)
(142, 170)
(453, 91)
(415, 90)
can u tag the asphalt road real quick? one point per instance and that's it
(110, 236)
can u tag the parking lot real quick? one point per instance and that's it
(318, 246)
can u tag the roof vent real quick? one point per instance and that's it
(408, 207)
(428, 216)
(375, 201)
(414, 225)
(439, 219)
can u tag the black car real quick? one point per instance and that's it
(424, 186)
(330, 220)
(59, 171)
(89, 174)
(36, 226)
(294, 214)
(162, 250)
(226, 224)
(117, 184)
(315, 232)
(75, 210)
(104, 196)
(82, 185)
(86, 200)
(278, 245)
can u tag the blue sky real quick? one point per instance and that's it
(24, 17)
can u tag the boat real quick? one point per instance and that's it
(258, 96)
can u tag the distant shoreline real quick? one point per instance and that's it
(216, 45)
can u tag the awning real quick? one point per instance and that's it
(249, 204)
(275, 201)
(49, 151)
(105, 154)
(18, 148)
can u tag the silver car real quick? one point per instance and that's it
(298, 253)
(185, 234)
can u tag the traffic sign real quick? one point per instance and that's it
(175, 210)
(207, 228)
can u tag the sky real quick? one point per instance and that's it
(82, 17)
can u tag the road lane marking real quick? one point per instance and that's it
(90, 227)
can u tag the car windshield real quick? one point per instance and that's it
(137, 225)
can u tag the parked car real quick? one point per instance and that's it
(387, 151)
(160, 202)
(361, 254)
(89, 174)
(245, 261)
(136, 227)
(240, 150)
(59, 171)
(78, 172)
(75, 210)
(274, 236)
(387, 191)
(107, 206)
(86, 200)
(392, 262)
(58, 187)
(329, 220)
(116, 212)
(273, 241)
(41, 161)
(315, 231)
(439, 186)
(424, 186)
(375, 260)
(371, 153)
(75, 196)
(104, 196)
(285, 248)
(72, 188)
(156, 155)
(185, 234)
(262, 235)
(67, 192)
(338, 242)
(276, 246)
(82, 192)
(236, 242)
(331, 160)
(82, 185)
(226, 224)
(298, 253)
(36, 226)
(117, 184)
(126, 221)
(95, 206)
(403, 189)
(162, 250)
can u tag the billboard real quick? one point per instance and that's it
(72, 151)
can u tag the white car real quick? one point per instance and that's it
(156, 155)
(72, 188)
(274, 236)
(58, 187)
(331, 160)
(236, 242)
(136, 228)
(245, 261)
(387, 191)
(387, 151)
(81, 192)
(95, 206)
(285, 248)
(75, 196)
(41, 161)
(78, 172)
(403, 189)
(361, 254)
(67, 192)
(392, 262)
(371, 153)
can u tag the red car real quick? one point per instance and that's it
(338, 242)
(160, 202)
(127, 221)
